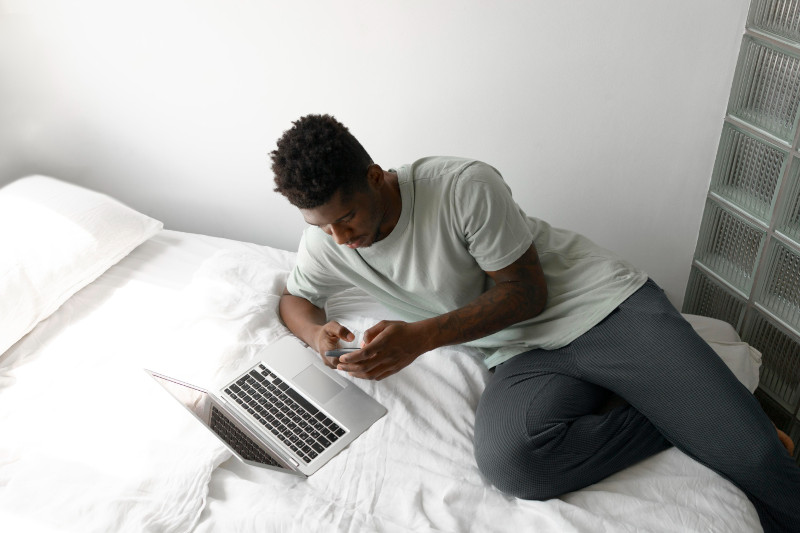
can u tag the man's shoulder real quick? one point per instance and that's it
(444, 166)
(447, 172)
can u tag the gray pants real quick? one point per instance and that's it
(539, 432)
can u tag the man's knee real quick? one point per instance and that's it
(517, 465)
(519, 477)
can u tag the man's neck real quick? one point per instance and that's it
(393, 203)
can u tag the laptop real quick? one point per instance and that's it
(289, 412)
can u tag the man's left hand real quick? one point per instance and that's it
(389, 346)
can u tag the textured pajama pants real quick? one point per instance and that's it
(539, 432)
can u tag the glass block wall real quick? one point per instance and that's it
(746, 267)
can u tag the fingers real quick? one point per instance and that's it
(357, 356)
(328, 339)
(372, 369)
(328, 336)
(353, 367)
(340, 332)
(368, 350)
(371, 364)
(383, 352)
(375, 330)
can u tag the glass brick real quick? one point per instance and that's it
(747, 171)
(707, 298)
(780, 18)
(780, 359)
(765, 91)
(789, 216)
(729, 246)
(779, 289)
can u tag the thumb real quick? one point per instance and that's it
(374, 331)
(335, 329)
(346, 334)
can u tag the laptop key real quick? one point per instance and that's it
(317, 447)
(286, 413)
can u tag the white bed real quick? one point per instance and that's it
(90, 443)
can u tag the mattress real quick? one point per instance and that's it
(91, 443)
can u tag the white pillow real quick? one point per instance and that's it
(56, 238)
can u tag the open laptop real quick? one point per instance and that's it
(289, 412)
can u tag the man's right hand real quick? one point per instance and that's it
(328, 337)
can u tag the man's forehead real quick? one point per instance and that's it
(331, 211)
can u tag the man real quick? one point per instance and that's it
(564, 323)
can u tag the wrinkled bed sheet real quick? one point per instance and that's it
(91, 443)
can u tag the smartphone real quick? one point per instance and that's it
(339, 352)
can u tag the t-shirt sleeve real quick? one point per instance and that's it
(495, 228)
(312, 278)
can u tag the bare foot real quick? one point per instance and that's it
(786, 441)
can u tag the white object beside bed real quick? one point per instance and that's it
(91, 443)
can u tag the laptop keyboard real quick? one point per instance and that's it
(237, 440)
(285, 413)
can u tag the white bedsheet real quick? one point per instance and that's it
(90, 443)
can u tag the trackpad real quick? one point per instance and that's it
(320, 386)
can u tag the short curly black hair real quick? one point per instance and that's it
(317, 157)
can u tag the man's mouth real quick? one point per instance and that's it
(354, 243)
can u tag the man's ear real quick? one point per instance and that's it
(374, 174)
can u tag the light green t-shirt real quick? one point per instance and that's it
(459, 220)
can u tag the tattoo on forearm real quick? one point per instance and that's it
(499, 307)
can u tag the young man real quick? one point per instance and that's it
(564, 323)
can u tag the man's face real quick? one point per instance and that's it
(353, 220)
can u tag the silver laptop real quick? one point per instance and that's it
(289, 412)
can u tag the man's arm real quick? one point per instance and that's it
(520, 293)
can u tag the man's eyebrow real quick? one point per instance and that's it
(346, 215)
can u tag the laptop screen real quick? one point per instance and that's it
(199, 403)
(195, 400)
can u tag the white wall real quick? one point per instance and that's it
(603, 115)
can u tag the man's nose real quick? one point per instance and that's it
(340, 234)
